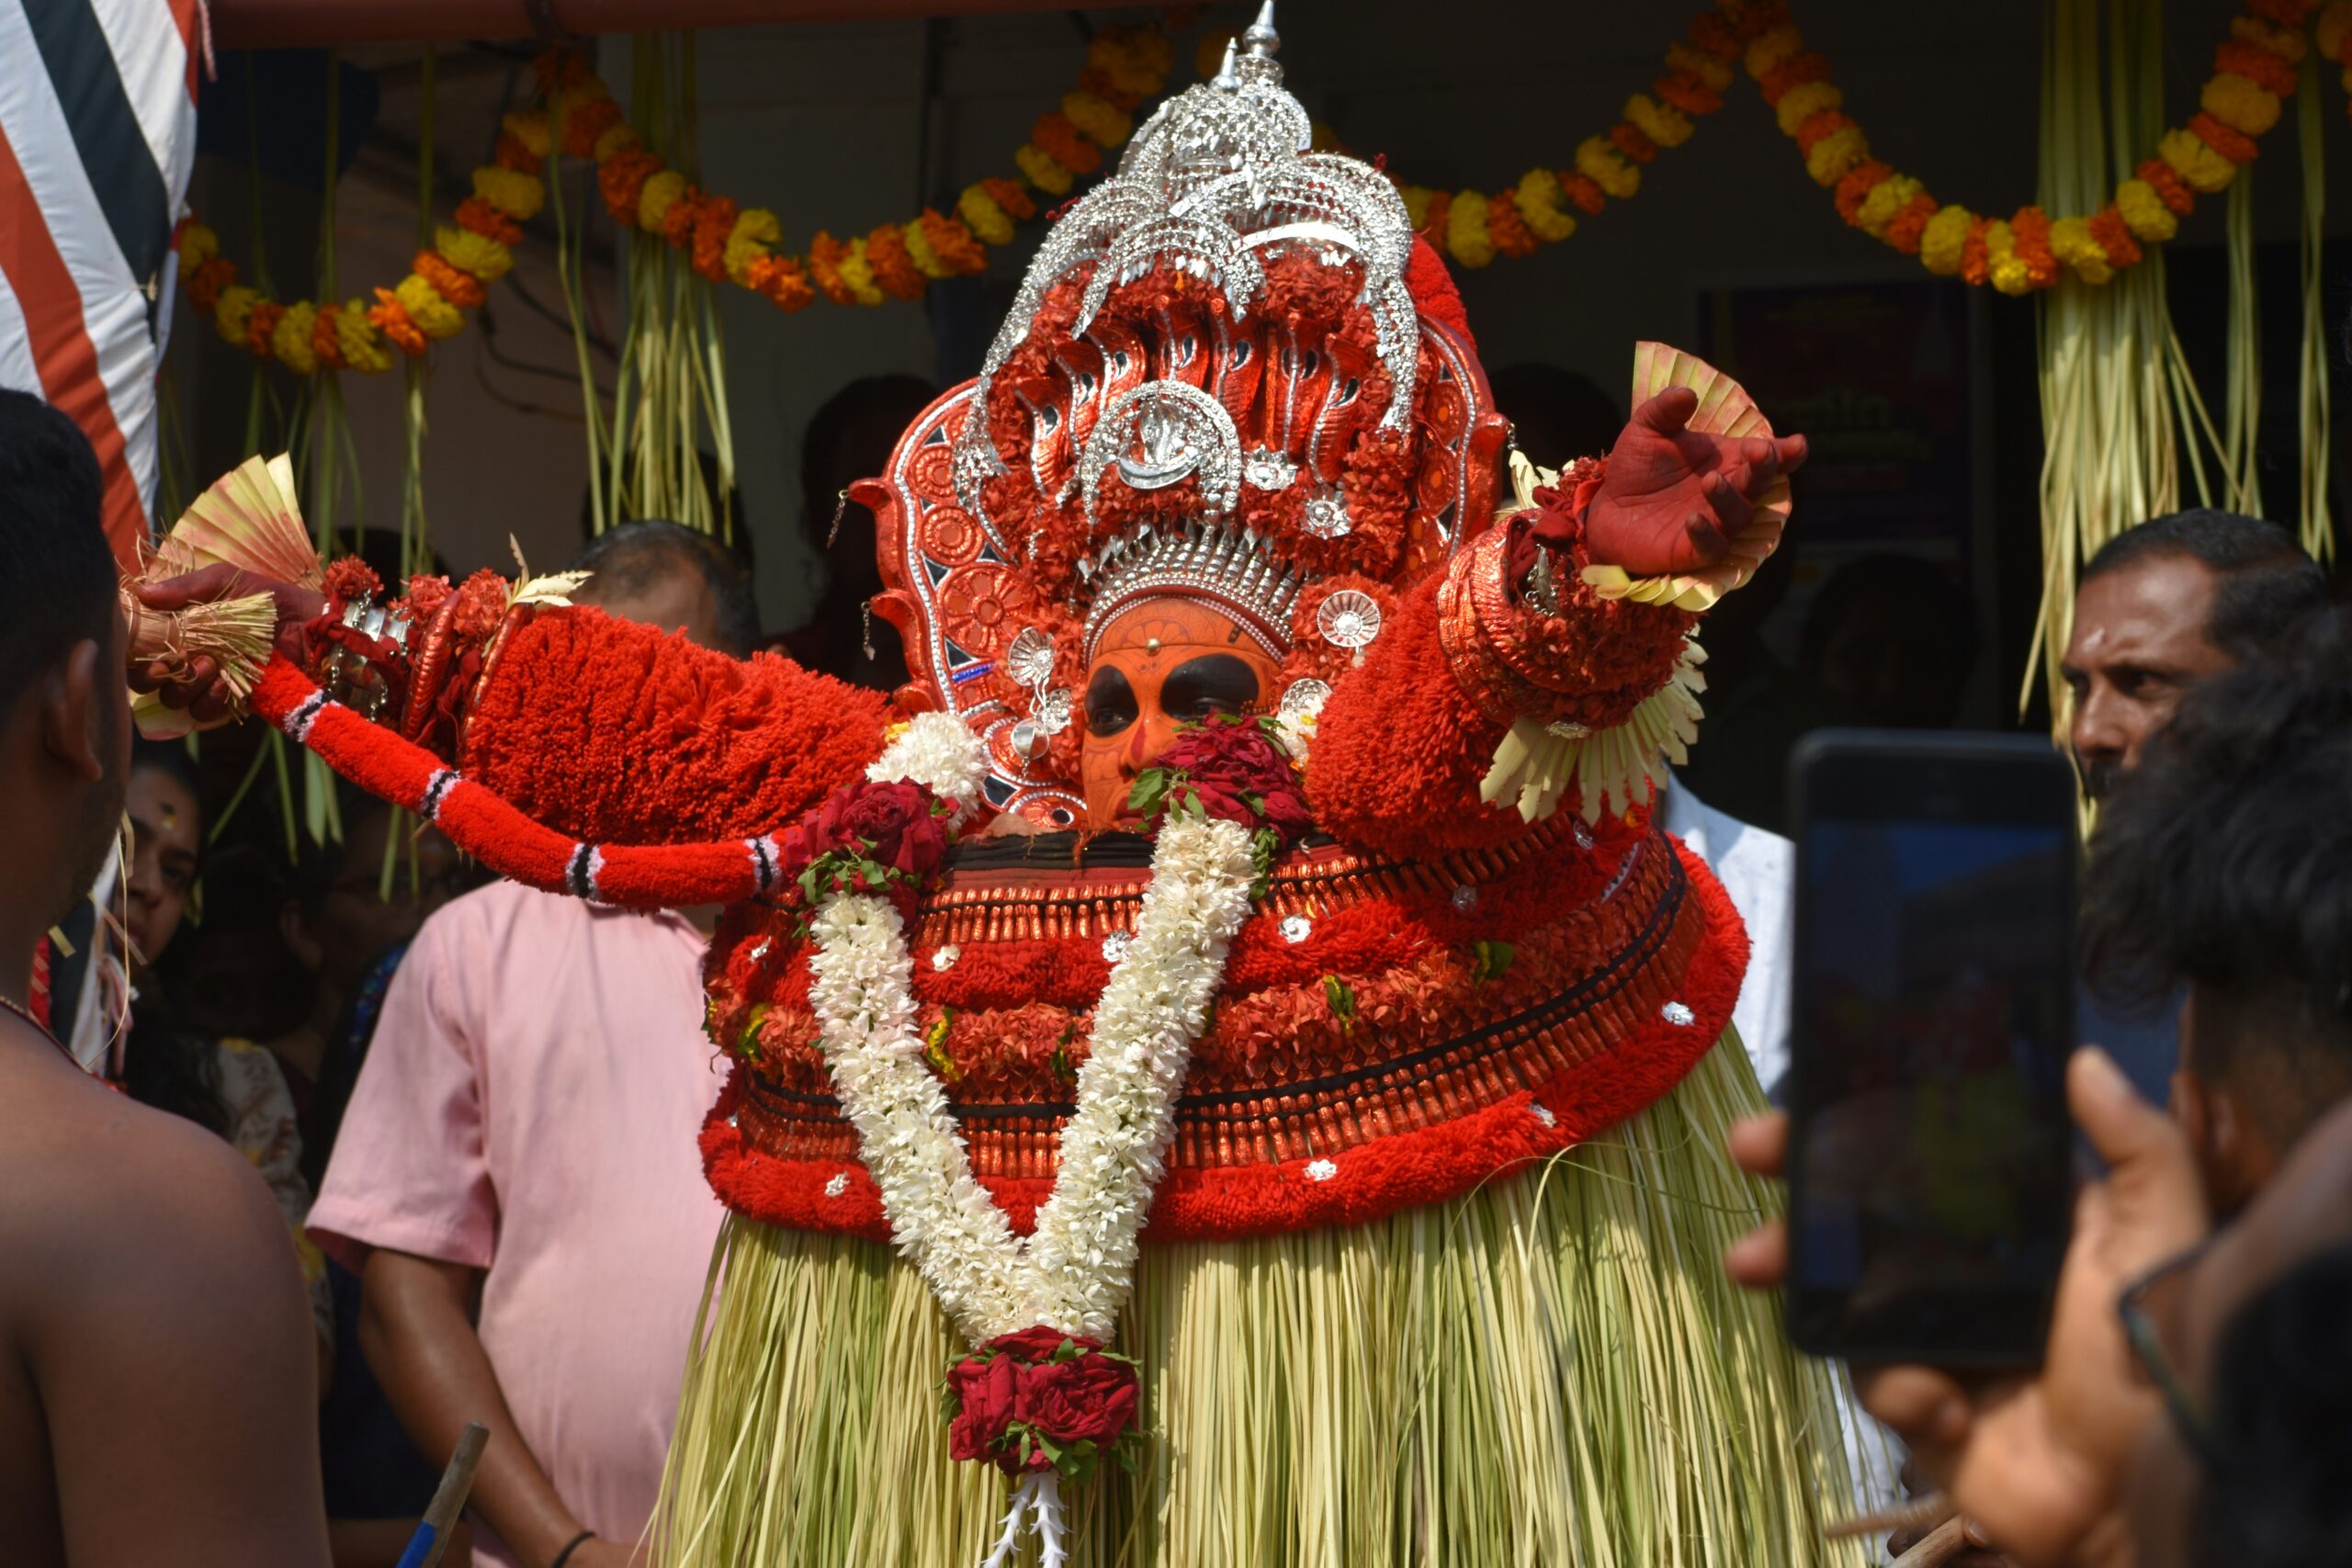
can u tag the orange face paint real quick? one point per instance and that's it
(1166, 663)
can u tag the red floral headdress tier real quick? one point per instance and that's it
(1231, 373)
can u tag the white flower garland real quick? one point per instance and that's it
(939, 751)
(1075, 1272)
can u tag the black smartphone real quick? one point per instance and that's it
(1929, 1182)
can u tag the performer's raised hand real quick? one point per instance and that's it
(1673, 498)
(197, 686)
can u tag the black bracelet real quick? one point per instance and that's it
(570, 1547)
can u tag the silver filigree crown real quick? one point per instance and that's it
(1215, 561)
(1217, 181)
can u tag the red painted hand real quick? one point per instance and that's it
(1672, 498)
(199, 688)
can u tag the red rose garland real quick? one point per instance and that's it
(1040, 1399)
(1230, 770)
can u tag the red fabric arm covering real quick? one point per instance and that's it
(616, 733)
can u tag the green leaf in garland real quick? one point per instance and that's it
(1491, 959)
(1342, 1000)
(934, 1046)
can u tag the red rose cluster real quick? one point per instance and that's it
(1040, 1399)
(1232, 769)
(869, 837)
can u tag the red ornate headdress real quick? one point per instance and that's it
(1231, 373)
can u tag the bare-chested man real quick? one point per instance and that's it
(156, 1379)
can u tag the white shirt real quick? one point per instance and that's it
(1758, 870)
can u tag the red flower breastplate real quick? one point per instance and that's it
(1387, 1033)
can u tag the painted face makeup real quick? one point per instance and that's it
(1161, 666)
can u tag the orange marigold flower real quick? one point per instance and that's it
(479, 217)
(1828, 122)
(1974, 264)
(1507, 228)
(2031, 229)
(825, 254)
(204, 288)
(1010, 194)
(559, 67)
(1103, 85)
(2258, 65)
(261, 324)
(1582, 190)
(1855, 186)
(620, 179)
(952, 243)
(586, 122)
(714, 222)
(391, 319)
(2169, 187)
(1908, 225)
(894, 269)
(1057, 138)
(323, 342)
(1714, 35)
(1686, 92)
(678, 223)
(1793, 71)
(512, 154)
(782, 281)
(1627, 137)
(2230, 143)
(461, 288)
(2115, 237)
(1441, 211)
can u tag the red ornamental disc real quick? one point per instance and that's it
(979, 608)
(930, 476)
(1434, 484)
(950, 537)
(1447, 411)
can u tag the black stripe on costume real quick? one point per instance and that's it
(437, 790)
(107, 137)
(575, 875)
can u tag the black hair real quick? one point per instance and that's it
(2224, 862)
(1557, 415)
(633, 558)
(1885, 575)
(2280, 1418)
(2263, 583)
(172, 758)
(850, 438)
(166, 1064)
(58, 588)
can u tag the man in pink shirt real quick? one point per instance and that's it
(524, 1128)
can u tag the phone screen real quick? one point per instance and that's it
(1929, 1179)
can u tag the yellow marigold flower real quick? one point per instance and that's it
(1043, 171)
(1105, 122)
(362, 345)
(1887, 199)
(1801, 102)
(571, 100)
(920, 251)
(1834, 155)
(2144, 212)
(1606, 168)
(515, 194)
(1466, 239)
(290, 339)
(1683, 56)
(532, 130)
(618, 138)
(486, 258)
(232, 311)
(2071, 242)
(2239, 103)
(858, 273)
(1417, 203)
(756, 232)
(2006, 268)
(1942, 241)
(1662, 123)
(1772, 48)
(2287, 43)
(981, 214)
(1539, 200)
(434, 316)
(656, 196)
(2204, 169)
(199, 244)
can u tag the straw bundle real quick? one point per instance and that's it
(1552, 1371)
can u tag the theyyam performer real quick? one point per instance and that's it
(1225, 1050)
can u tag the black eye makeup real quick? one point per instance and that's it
(1109, 701)
(1213, 683)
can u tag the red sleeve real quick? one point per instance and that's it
(1405, 740)
(616, 733)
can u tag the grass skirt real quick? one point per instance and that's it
(1551, 1370)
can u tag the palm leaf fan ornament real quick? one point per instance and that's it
(248, 520)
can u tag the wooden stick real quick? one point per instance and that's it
(431, 1536)
(1939, 1546)
(1917, 1514)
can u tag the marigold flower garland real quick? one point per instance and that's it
(2253, 69)
(1125, 66)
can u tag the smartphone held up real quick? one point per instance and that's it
(1929, 1182)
